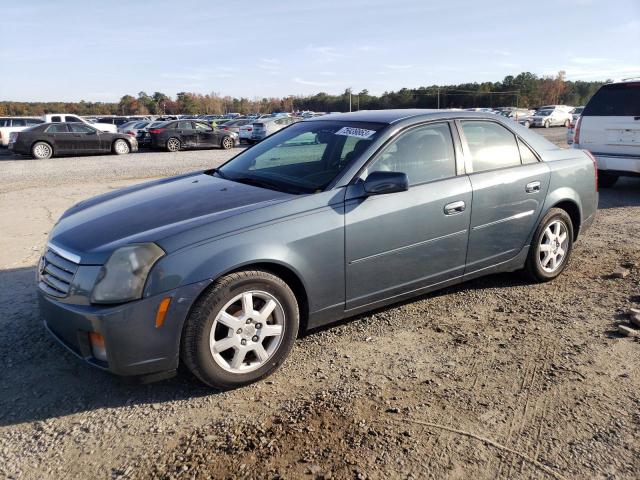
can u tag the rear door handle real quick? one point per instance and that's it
(532, 187)
(454, 208)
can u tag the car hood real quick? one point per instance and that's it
(150, 212)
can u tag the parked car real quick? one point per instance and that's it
(266, 126)
(182, 134)
(245, 132)
(576, 112)
(9, 125)
(546, 117)
(117, 121)
(132, 128)
(234, 125)
(63, 117)
(328, 218)
(142, 135)
(609, 127)
(52, 139)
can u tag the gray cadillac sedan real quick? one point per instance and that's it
(333, 216)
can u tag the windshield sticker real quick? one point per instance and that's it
(355, 132)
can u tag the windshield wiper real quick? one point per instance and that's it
(264, 184)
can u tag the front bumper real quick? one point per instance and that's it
(133, 344)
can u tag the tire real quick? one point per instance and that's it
(544, 263)
(121, 147)
(546, 124)
(527, 124)
(227, 143)
(218, 329)
(41, 151)
(567, 123)
(606, 180)
(173, 144)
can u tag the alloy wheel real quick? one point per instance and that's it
(553, 246)
(227, 143)
(173, 145)
(247, 331)
(121, 147)
(42, 150)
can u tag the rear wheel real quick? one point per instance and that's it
(606, 180)
(546, 124)
(227, 143)
(551, 246)
(121, 147)
(241, 330)
(41, 150)
(527, 124)
(173, 144)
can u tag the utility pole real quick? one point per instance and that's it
(349, 99)
(438, 99)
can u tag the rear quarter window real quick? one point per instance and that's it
(618, 99)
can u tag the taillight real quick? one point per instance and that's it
(576, 133)
(595, 165)
(249, 129)
(225, 128)
(131, 132)
(156, 131)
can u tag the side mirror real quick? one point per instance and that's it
(379, 183)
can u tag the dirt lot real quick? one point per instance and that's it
(496, 378)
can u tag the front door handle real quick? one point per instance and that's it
(532, 187)
(454, 208)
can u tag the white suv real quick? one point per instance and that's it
(609, 128)
(64, 117)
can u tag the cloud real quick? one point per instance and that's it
(312, 83)
(589, 60)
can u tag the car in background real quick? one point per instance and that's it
(142, 134)
(220, 270)
(69, 138)
(117, 121)
(132, 128)
(550, 117)
(266, 126)
(178, 135)
(245, 132)
(576, 112)
(234, 125)
(609, 128)
(67, 118)
(9, 125)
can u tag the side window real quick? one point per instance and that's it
(201, 127)
(526, 154)
(19, 122)
(184, 125)
(61, 128)
(80, 128)
(33, 121)
(56, 118)
(424, 154)
(70, 118)
(491, 145)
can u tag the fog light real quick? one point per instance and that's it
(97, 346)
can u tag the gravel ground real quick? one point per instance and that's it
(495, 378)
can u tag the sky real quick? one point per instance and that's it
(100, 50)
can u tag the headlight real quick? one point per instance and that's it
(122, 278)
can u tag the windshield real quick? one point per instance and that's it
(303, 158)
(578, 110)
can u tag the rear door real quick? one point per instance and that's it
(187, 133)
(509, 188)
(611, 120)
(63, 140)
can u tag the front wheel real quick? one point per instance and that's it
(241, 330)
(121, 147)
(551, 246)
(567, 123)
(527, 124)
(227, 143)
(546, 124)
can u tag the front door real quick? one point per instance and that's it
(509, 188)
(206, 136)
(402, 242)
(86, 138)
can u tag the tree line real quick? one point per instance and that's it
(524, 90)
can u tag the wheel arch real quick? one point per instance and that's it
(113, 144)
(573, 210)
(53, 150)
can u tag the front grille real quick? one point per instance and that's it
(55, 274)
